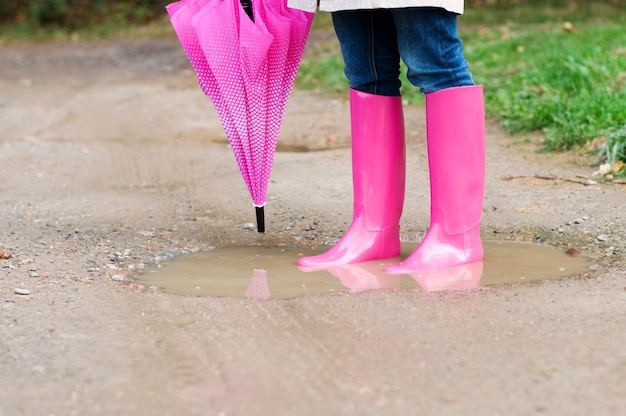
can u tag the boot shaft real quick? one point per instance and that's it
(378, 156)
(455, 130)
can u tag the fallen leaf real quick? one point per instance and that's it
(573, 252)
(4, 255)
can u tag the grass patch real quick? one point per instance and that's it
(563, 79)
(561, 71)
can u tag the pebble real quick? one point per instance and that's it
(20, 291)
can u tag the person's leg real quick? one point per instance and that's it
(431, 49)
(378, 153)
(369, 48)
(455, 137)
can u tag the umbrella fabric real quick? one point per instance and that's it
(236, 51)
(247, 68)
(181, 15)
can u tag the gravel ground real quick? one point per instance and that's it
(112, 160)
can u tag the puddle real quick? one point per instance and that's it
(271, 272)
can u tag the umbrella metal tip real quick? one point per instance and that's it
(260, 219)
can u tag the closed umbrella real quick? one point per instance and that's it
(246, 62)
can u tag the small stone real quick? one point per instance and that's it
(117, 278)
(602, 238)
(20, 291)
(573, 252)
(605, 169)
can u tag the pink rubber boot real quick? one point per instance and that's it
(455, 131)
(378, 174)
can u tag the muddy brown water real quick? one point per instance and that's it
(258, 272)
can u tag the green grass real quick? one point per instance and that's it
(567, 81)
(507, 12)
(558, 71)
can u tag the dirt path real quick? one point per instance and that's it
(111, 158)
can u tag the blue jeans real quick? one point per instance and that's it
(425, 38)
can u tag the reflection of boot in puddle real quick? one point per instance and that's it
(258, 287)
(359, 277)
(463, 277)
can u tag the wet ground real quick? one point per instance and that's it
(113, 163)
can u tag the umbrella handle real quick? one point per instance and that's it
(260, 219)
(247, 7)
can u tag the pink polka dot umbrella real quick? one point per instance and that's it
(246, 62)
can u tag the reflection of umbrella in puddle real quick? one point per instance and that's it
(247, 68)
(258, 287)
